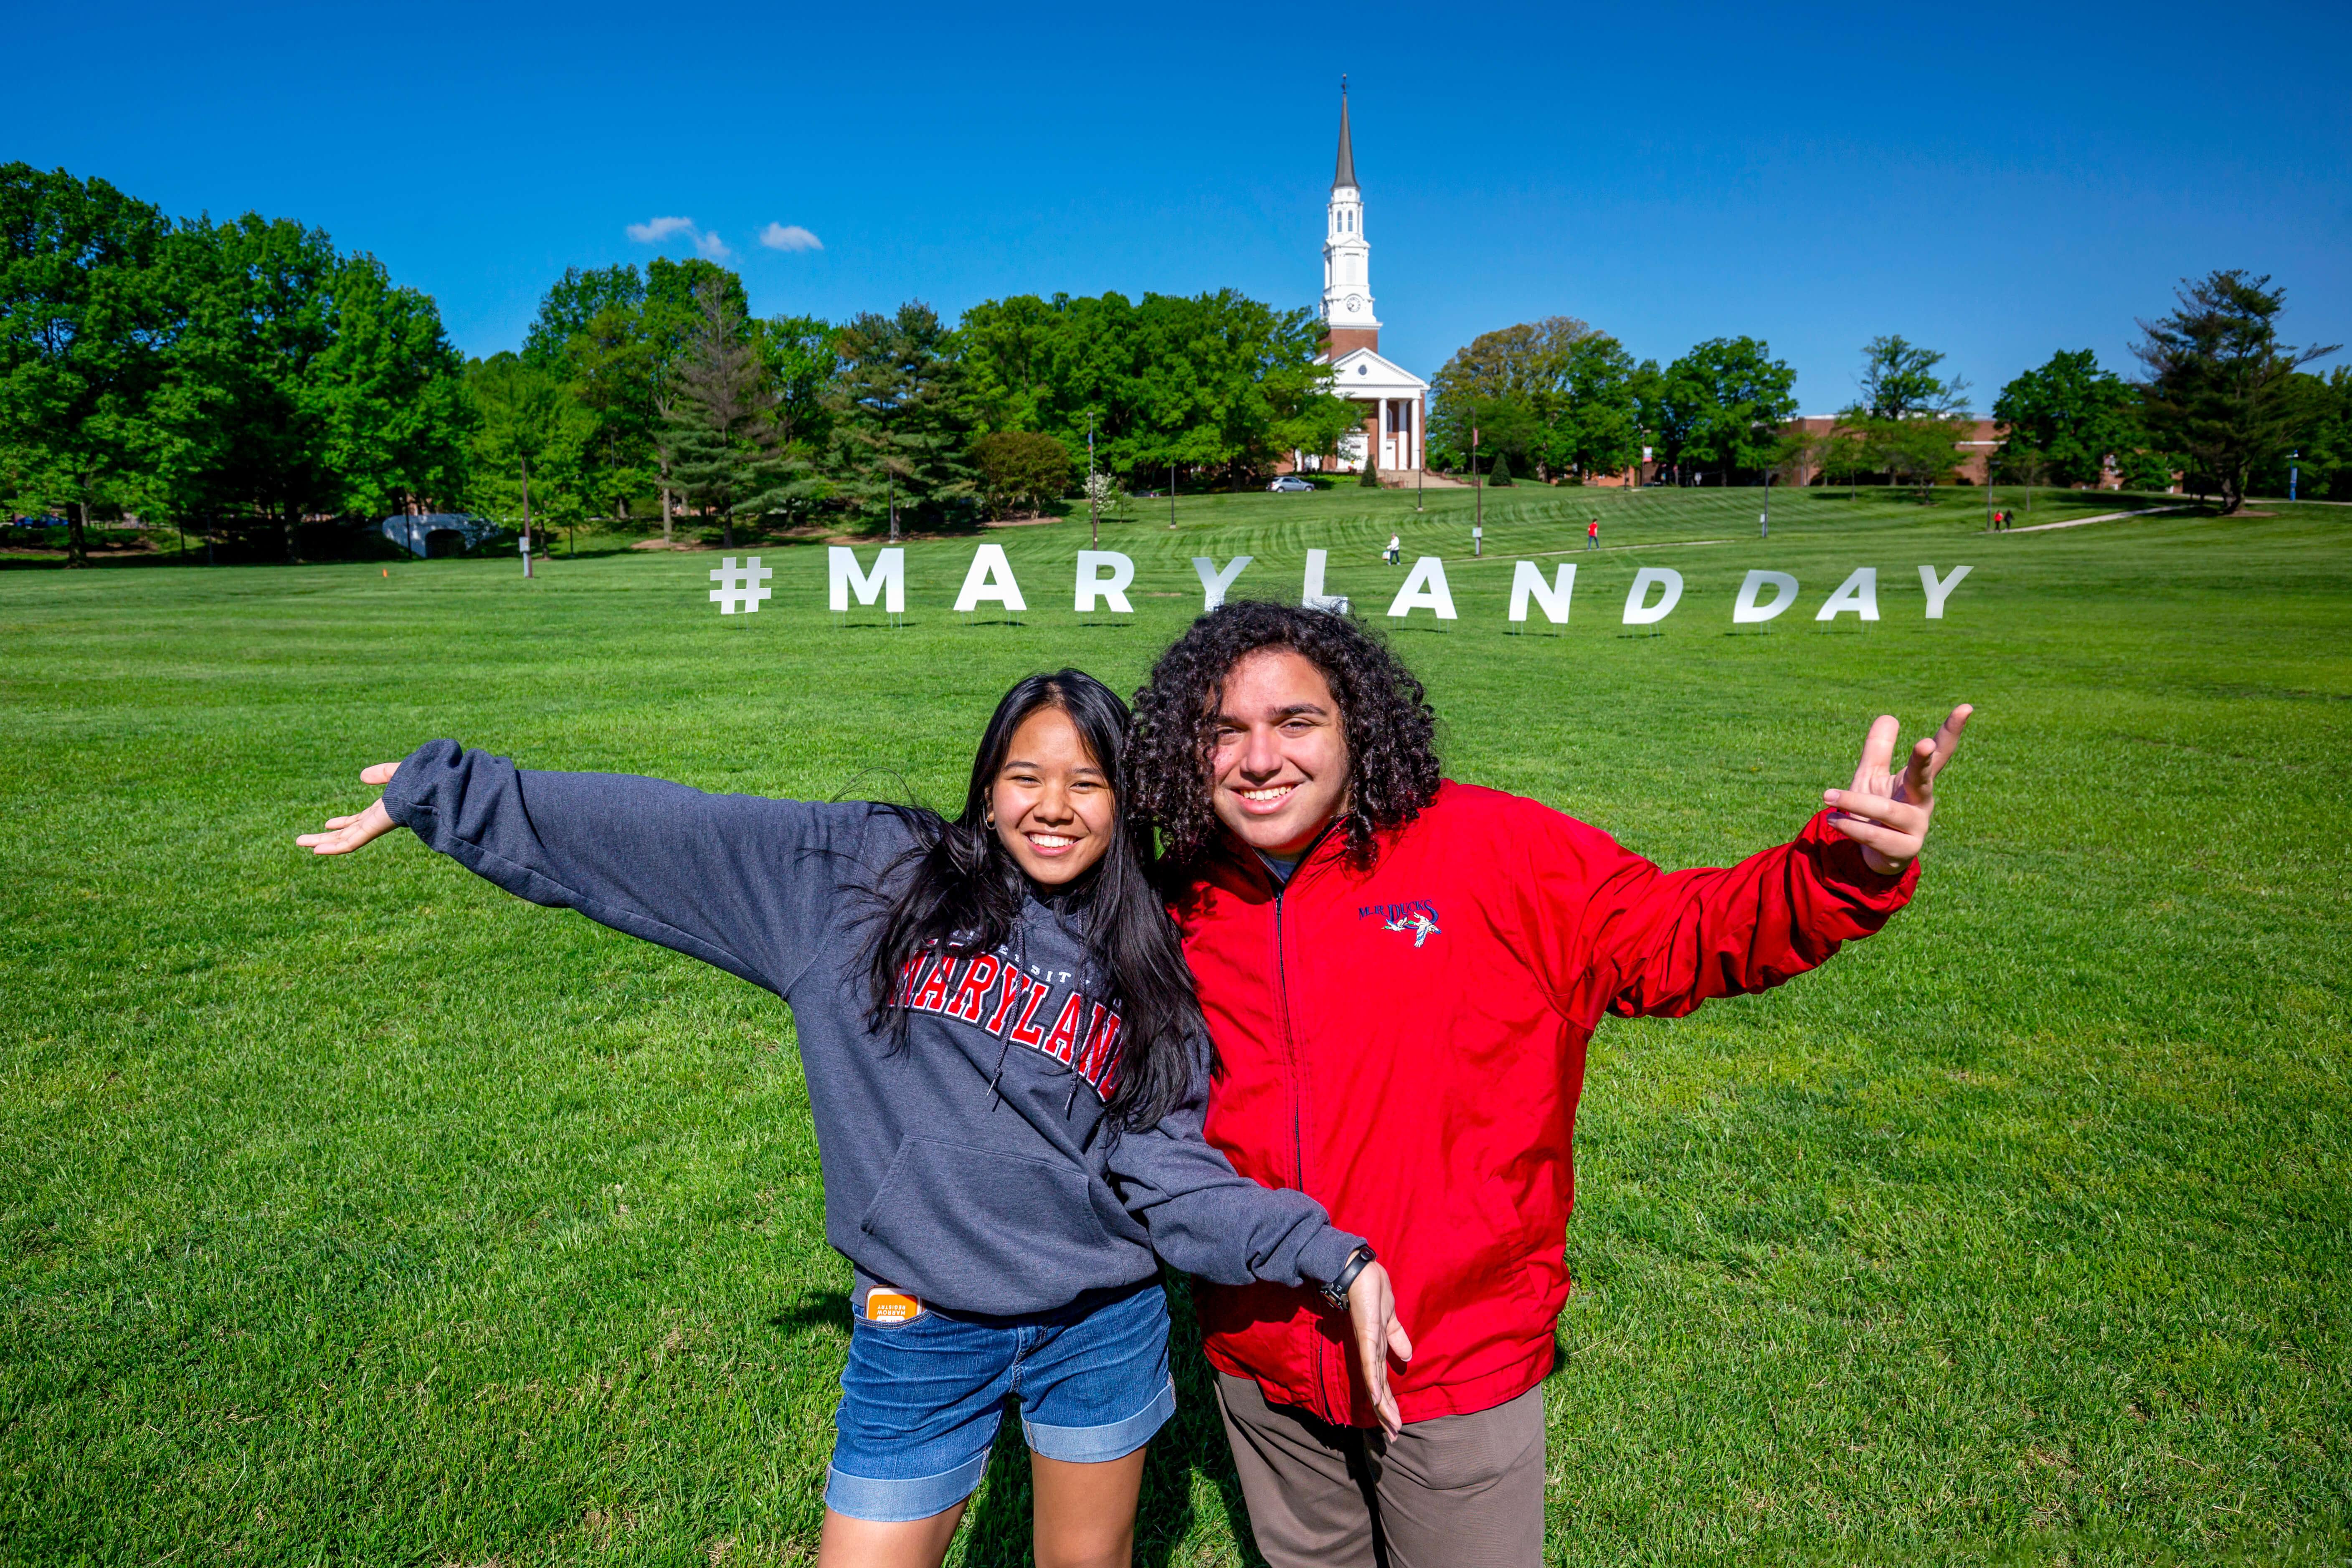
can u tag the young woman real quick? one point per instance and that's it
(1007, 1067)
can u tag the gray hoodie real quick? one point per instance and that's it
(975, 1166)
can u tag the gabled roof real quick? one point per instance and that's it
(1346, 170)
(1382, 372)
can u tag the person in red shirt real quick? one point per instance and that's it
(1400, 975)
(1593, 534)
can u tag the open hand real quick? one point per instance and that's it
(1371, 1314)
(345, 833)
(1888, 813)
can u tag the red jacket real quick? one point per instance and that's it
(1406, 1044)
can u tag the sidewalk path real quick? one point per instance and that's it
(2102, 517)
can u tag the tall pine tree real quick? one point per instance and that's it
(721, 425)
(900, 426)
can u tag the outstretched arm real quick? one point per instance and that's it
(1660, 943)
(743, 882)
(1208, 1219)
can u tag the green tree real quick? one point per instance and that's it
(1596, 421)
(78, 328)
(397, 416)
(1512, 386)
(1899, 381)
(2067, 418)
(1722, 406)
(801, 355)
(1214, 382)
(901, 434)
(2220, 386)
(297, 381)
(571, 304)
(591, 333)
(671, 313)
(1920, 451)
(246, 410)
(2319, 442)
(528, 439)
(721, 427)
(1021, 466)
(608, 367)
(1499, 476)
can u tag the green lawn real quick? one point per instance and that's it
(353, 1211)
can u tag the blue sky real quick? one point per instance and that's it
(1996, 183)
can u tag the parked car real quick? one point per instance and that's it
(1289, 482)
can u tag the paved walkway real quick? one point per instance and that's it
(2102, 517)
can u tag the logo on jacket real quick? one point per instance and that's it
(1417, 917)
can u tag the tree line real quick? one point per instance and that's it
(248, 380)
(2223, 407)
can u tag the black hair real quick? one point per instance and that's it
(960, 890)
(1392, 767)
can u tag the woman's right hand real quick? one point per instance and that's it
(1371, 1314)
(345, 833)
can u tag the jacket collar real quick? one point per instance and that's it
(1326, 846)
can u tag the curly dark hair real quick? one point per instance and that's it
(1392, 768)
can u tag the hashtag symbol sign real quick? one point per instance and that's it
(740, 587)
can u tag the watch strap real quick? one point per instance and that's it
(1337, 1291)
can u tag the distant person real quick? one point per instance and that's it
(1593, 534)
(1000, 1210)
(1395, 552)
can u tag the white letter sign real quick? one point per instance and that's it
(1784, 594)
(1215, 582)
(1424, 589)
(1527, 582)
(887, 582)
(991, 577)
(1637, 613)
(740, 587)
(1112, 588)
(1858, 593)
(1939, 592)
(1312, 595)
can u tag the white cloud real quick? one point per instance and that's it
(661, 229)
(789, 236)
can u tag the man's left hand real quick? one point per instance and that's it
(1887, 814)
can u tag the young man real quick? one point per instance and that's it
(1593, 534)
(1401, 974)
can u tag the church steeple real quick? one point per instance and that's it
(1347, 257)
(1346, 175)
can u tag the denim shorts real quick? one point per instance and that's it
(920, 1400)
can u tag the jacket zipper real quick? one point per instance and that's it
(1297, 1076)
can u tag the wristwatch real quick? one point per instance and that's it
(1336, 1292)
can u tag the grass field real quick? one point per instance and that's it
(353, 1212)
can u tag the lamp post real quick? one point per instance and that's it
(890, 489)
(1094, 513)
(1477, 494)
(1172, 495)
(526, 517)
(1764, 522)
(2294, 470)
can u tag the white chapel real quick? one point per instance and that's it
(1392, 397)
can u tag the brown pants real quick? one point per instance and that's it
(1458, 1490)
